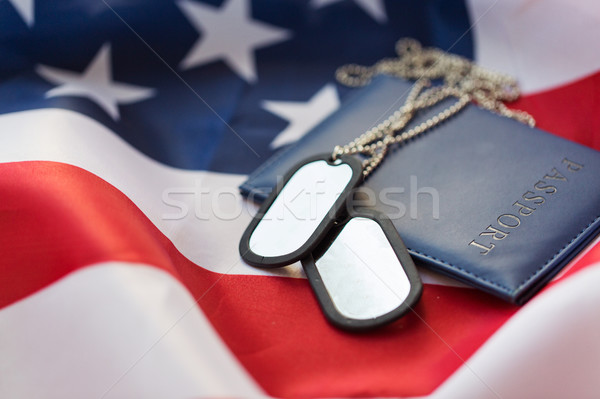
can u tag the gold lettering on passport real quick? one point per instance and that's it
(572, 166)
(555, 176)
(496, 234)
(536, 199)
(486, 250)
(508, 221)
(545, 188)
(524, 209)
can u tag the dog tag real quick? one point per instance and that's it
(300, 211)
(362, 274)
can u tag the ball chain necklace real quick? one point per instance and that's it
(361, 272)
(461, 79)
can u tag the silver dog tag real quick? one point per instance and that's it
(362, 274)
(300, 211)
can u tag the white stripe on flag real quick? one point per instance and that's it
(81, 338)
(207, 234)
(544, 44)
(549, 349)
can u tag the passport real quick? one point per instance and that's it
(481, 198)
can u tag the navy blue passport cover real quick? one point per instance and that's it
(482, 198)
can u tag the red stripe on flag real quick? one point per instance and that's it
(286, 344)
(56, 218)
(571, 111)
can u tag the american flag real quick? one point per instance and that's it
(125, 130)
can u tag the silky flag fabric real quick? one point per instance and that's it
(126, 128)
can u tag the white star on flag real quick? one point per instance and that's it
(228, 33)
(95, 83)
(303, 116)
(375, 8)
(25, 10)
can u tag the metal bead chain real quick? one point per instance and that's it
(462, 79)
